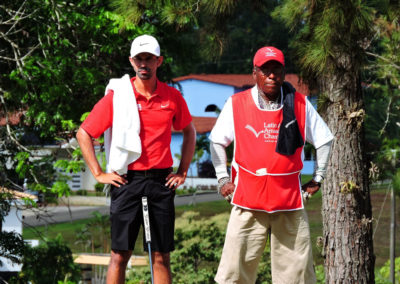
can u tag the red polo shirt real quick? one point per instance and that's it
(164, 109)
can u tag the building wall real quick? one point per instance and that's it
(176, 146)
(199, 94)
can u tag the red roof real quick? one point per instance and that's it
(202, 124)
(297, 84)
(13, 118)
(241, 80)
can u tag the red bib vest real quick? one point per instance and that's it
(266, 180)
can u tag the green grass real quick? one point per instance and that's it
(206, 210)
(67, 230)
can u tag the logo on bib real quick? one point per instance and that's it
(270, 132)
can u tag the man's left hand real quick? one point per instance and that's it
(174, 180)
(311, 187)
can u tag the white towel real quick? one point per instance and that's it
(121, 141)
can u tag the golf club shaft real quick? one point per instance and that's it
(147, 233)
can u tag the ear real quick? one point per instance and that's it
(160, 60)
(131, 61)
(254, 74)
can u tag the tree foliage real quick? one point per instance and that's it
(11, 246)
(383, 92)
(55, 60)
(218, 36)
(63, 52)
(48, 263)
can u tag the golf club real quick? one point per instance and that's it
(146, 222)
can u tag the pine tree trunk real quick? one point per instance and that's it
(347, 214)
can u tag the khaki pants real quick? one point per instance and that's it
(246, 236)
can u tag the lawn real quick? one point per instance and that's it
(381, 215)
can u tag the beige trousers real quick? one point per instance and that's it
(246, 236)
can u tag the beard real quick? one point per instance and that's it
(144, 76)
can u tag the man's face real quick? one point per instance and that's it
(269, 78)
(145, 65)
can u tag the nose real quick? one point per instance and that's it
(271, 76)
(142, 63)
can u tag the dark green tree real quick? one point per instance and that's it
(12, 245)
(209, 36)
(48, 263)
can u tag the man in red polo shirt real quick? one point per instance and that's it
(138, 114)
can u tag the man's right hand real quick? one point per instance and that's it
(227, 190)
(111, 178)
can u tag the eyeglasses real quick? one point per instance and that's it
(266, 71)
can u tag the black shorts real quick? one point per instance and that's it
(126, 213)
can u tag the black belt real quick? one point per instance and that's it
(151, 172)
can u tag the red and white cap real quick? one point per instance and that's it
(145, 43)
(268, 53)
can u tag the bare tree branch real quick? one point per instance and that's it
(387, 116)
(384, 59)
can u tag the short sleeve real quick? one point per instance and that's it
(101, 116)
(223, 132)
(182, 116)
(317, 132)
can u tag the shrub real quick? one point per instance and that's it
(198, 247)
(383, 275)
(99, 188)
(48, 263)
(82, 192)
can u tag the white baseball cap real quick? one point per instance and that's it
(145, 43)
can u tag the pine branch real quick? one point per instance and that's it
(384, 59)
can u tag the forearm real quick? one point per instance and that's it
(188, 147)
(88, 153)
(322, 153)
(219, 160)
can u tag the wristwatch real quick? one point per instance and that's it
(222, 182)
(318, 179)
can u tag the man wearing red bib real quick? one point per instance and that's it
(270, 124)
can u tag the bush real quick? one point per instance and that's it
(185, 191)
(48, 263)
(198, 247)
(383, 275)
(99, 187)
(82, 192)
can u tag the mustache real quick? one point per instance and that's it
(144, 69)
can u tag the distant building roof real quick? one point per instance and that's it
(17, 194)
(202, 124)
(241, 80)
(297, 84)
(13, 118)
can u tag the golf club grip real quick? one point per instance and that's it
(146, 219)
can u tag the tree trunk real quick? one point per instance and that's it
(347, 214)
